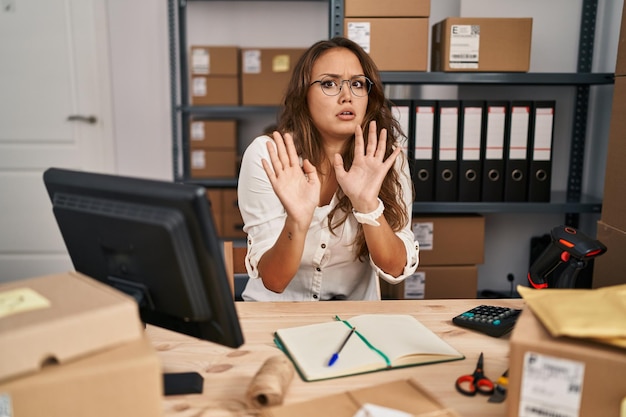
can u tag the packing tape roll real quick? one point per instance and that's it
(269, 386)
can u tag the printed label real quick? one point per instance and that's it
(6, 409)
(252, 61)
(464, 46)
(414, 286)
(423, 233)
(360, 32)
(551, 387)
(198, 160)
(198, 87)
(200, 61)
(197, 131)
(20, 300)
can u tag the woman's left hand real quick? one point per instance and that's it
(363, 181)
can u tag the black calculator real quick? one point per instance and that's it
(492, 320)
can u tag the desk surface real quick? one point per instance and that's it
(227, 372)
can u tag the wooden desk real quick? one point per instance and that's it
(227, 372)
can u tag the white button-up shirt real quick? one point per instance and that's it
(328, 269)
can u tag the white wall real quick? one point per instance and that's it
(140, 73)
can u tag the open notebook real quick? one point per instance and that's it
(381, 341)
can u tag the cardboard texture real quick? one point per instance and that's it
(265, 73)
(609, 268)
(562, 376)
(395, 44)
(122, 381)
(389, 8)
(450, 239)
(473, 44)
(614, 201)
(434, 282)
(403, 395)
(59, 318)
(209, 90)
(214, 60)
(213, 134)
(214, 163)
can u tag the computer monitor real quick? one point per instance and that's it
(154, 240)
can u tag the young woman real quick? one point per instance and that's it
(327, 199)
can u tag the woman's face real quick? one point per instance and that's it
(336, 117)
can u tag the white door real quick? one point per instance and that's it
(53, 68)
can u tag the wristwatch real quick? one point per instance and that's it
(370, 218)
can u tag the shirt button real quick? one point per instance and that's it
(323, 245)
(318, 269)
(315, 296)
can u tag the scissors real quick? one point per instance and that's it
(475, 382)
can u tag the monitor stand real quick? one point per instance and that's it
(182, 383)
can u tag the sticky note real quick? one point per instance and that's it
(20, 300)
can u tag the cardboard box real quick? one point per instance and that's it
(407, 397)
(59, 318)
(466, 44)
(388, 8)
(562, 376)
(215, 198)
(213, 163)
(450, 239)
(213, 134)
(608, 269)
(395, 44)
(614, 201)
(125, 380)
(212, 90)
(265, 73)
(434, 282)
(232, 220)
(214, 60)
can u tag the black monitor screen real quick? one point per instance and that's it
(154, 240)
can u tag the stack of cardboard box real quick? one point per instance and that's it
(71, 346)
(213, 148)
(451, 247)
(609, 268)
(393, 32)
(214, 75)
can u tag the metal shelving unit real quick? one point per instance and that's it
(571, 202)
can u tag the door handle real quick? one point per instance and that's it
(80, 118)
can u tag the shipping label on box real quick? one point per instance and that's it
(464, 46)
(562, 376)
(551, 386)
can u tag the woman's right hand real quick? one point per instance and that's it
(297, 187)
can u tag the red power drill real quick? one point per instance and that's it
(568, 246)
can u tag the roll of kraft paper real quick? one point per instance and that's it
(269, 385)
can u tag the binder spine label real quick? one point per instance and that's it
(543, 134)
(519, 132)
(448, 134)
(495, 133)
(472, 125)
(424, 129)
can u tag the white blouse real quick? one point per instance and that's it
(328, 268)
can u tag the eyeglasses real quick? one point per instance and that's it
(359, 85)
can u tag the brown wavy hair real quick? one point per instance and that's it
(296, 118)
